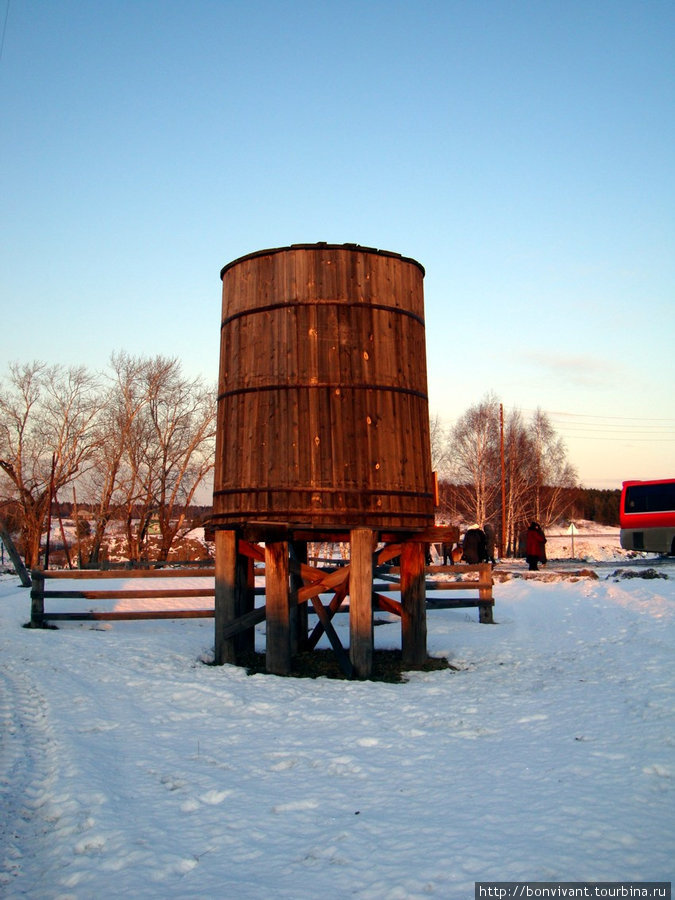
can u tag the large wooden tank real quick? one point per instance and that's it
(323, 418)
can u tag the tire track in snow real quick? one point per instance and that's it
(28, 772)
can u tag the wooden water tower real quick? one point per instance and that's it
(323, 435)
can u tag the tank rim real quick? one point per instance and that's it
(322, 245)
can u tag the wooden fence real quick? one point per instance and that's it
(481, 583)
(473, 592)
(39, 594)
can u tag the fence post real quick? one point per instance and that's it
(485, 593)
(37, 599)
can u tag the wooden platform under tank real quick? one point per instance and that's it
(292, 585)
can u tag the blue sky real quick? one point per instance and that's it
(523, 152)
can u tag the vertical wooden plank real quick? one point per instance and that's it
(361, 602)
(485, 593)
(37, 598)
(313, 421)
(413, 605)
(244, 602)
(299, 612)
(277, 595)
(225, 605)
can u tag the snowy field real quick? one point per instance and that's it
(130, 767)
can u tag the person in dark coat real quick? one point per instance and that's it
(535, 546)
(473, 547)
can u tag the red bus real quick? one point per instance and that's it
(647, 516)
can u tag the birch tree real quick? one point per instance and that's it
(552, 473)
(474, 463)
(537, 475)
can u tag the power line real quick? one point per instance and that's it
(555, 412)
(595, 427)
(621, 418)
(617, 429)
(618, 438)
(646, 429)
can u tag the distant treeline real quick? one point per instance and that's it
(66, 509)
(597, 505)
(591, 504)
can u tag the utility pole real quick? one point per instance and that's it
(503, 480)
(49, 510)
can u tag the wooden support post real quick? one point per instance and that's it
(37, 599)
(277, 593)
(361, 602)
(299, 611)
(413, 605)
(225, 599)
(244, 601)
(485, 593)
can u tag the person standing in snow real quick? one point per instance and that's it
(473, 546)
(535, 546)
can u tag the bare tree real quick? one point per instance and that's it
(474, 448)
(517, 477)
(182, 417)
(123, 401)
(168, 451)
(440, 450)
(47, 438)
(537, 476)
(553, 475)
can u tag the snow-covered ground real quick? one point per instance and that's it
(130, 767)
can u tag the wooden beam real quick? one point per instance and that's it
(245, 622)
(244, 601)
(134, 594)
(17, 562)
(361, 602)
(254, 551)
(123, 574)
(391, 551)
(327, 584)
(278, 644)
(413, 606)
(225, 607)
(299, 611)
(331, 609)
(342, 657)
(130, 614)
(386, 604)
